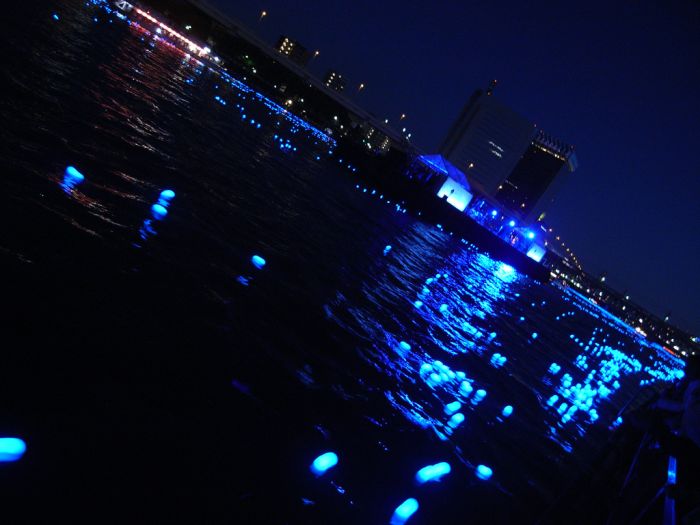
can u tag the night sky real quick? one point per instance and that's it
(620, 81)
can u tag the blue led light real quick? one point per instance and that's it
(484, 472)
(507, 411)
(433, 472)
(71, 178)
(158, 211)
(323, 463)
(404, 346)
(511, 224)
(404, 511)
(451, 408)
(494, 213)
(55, 16)
(530, 235)
(11, 449)
(387, 249)
(258, 262)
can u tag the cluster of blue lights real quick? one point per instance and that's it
(374, 193)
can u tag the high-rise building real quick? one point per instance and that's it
(534, 181)
(294, 50)
(487, 140)
(334, 80)
(506, 157)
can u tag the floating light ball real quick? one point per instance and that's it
(507, 411)
(484, 472)
(11, 449)
(159, 212)
(451, 408)
(258, 262)
(404, 511)
(433, 472)
(323, 463)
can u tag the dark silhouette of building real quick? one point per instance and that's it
(294, 50)
(534, 181)
(334, 80)
(506, 157)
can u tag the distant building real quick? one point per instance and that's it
(294, 50)
(334, 80)
(506, 157)
(375, 140)
(487, 140)
(534, 181)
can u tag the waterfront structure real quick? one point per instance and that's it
(451, 183)
(334, 80)
(536, 178)
(294, 50)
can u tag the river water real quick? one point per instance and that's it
(157, 375)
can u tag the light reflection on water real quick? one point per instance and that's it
(473, 335)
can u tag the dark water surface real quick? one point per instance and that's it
(156, 375)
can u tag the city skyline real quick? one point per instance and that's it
(621, 88)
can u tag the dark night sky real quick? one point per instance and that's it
(619, 80)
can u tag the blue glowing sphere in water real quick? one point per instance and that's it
(404, 511)
(483, 472)
(507, 411)
(433, 472)
(167, 195)
(258, 262)
(158, 211)
(404, 345)
(11, 449)
(324, 462)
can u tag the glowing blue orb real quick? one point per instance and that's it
(258, 262)
(507, 411)
(483, 472)
(404, 345)
(11, 449)
(158, 211)
(494, 213)
(418, 303)
(534, 335)
(167, 195)
(74, 175)
(456, 420)
(433, 472)
(451, 408)
(55, 16)
(443, 308)
(387, 249)
(324, 463)
(404, 511)
(511, 224)
(530, 235)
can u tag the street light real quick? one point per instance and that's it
(403, 116)
(360, 87)
(263, 14)
(316, 53)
